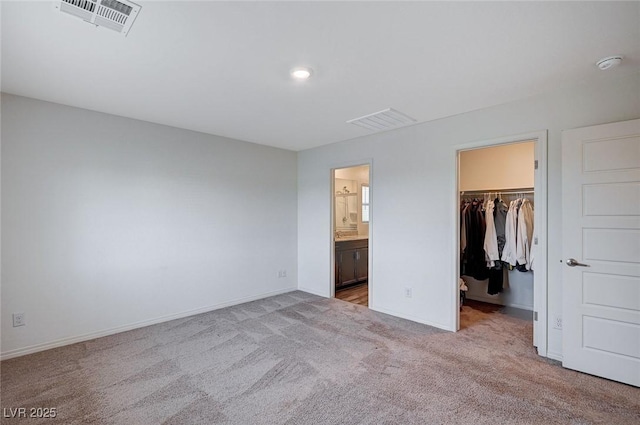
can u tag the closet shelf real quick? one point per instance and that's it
(501, 191)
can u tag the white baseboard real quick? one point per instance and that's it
(106, 332)
(390, 312)
(554, 356)
(412, 318)
(498, 302)
(541, 352)
(311, 291)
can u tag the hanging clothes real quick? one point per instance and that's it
(496, 280)
(474, 263)
(509, 254)
(463, 226)
(524, 235)
(494, 244)
(490, 237)
(464, 229)
(500, 221)
(495, 237)
(534, 249)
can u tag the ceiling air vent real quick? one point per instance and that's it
(117, 15)
(383, 120)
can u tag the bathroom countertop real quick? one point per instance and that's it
(352, 238)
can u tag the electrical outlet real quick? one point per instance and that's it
(557, 322)
(282, 273)
(18, 320)
(408, 292)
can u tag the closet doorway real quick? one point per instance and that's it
(501, 236)
(351, 220)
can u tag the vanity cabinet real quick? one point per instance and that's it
(352, 262)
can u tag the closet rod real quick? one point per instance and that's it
(524, 190)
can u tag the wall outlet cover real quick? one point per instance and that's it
(557, 322)
(18, 320)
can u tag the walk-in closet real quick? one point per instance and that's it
(497, 237)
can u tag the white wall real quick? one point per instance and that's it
(517, 290)
(110, 223)
(413, 182)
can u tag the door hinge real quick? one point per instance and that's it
(535, 240)
(535, 164)
(535, 316)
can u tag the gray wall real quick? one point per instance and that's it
(413, 189)
(110, 223)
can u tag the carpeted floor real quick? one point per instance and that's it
(301, 359)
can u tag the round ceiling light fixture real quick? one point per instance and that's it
(301, 73)
(609, 62)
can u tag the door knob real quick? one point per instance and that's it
(571, 262)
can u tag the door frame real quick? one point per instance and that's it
(540, 277)
(332, 251)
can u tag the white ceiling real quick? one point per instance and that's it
(223, 67)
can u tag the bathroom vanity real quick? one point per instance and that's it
(352, 262)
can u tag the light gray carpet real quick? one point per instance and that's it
(301, 359)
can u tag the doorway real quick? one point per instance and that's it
(492, 176)
(351, 222)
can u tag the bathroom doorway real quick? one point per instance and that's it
(351, 218)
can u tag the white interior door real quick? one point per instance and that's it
(601, 232)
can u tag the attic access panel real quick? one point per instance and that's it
(117, 15)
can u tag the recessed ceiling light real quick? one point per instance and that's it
(609, 62)
(301, 73)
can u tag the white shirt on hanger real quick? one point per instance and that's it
(509, 254)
